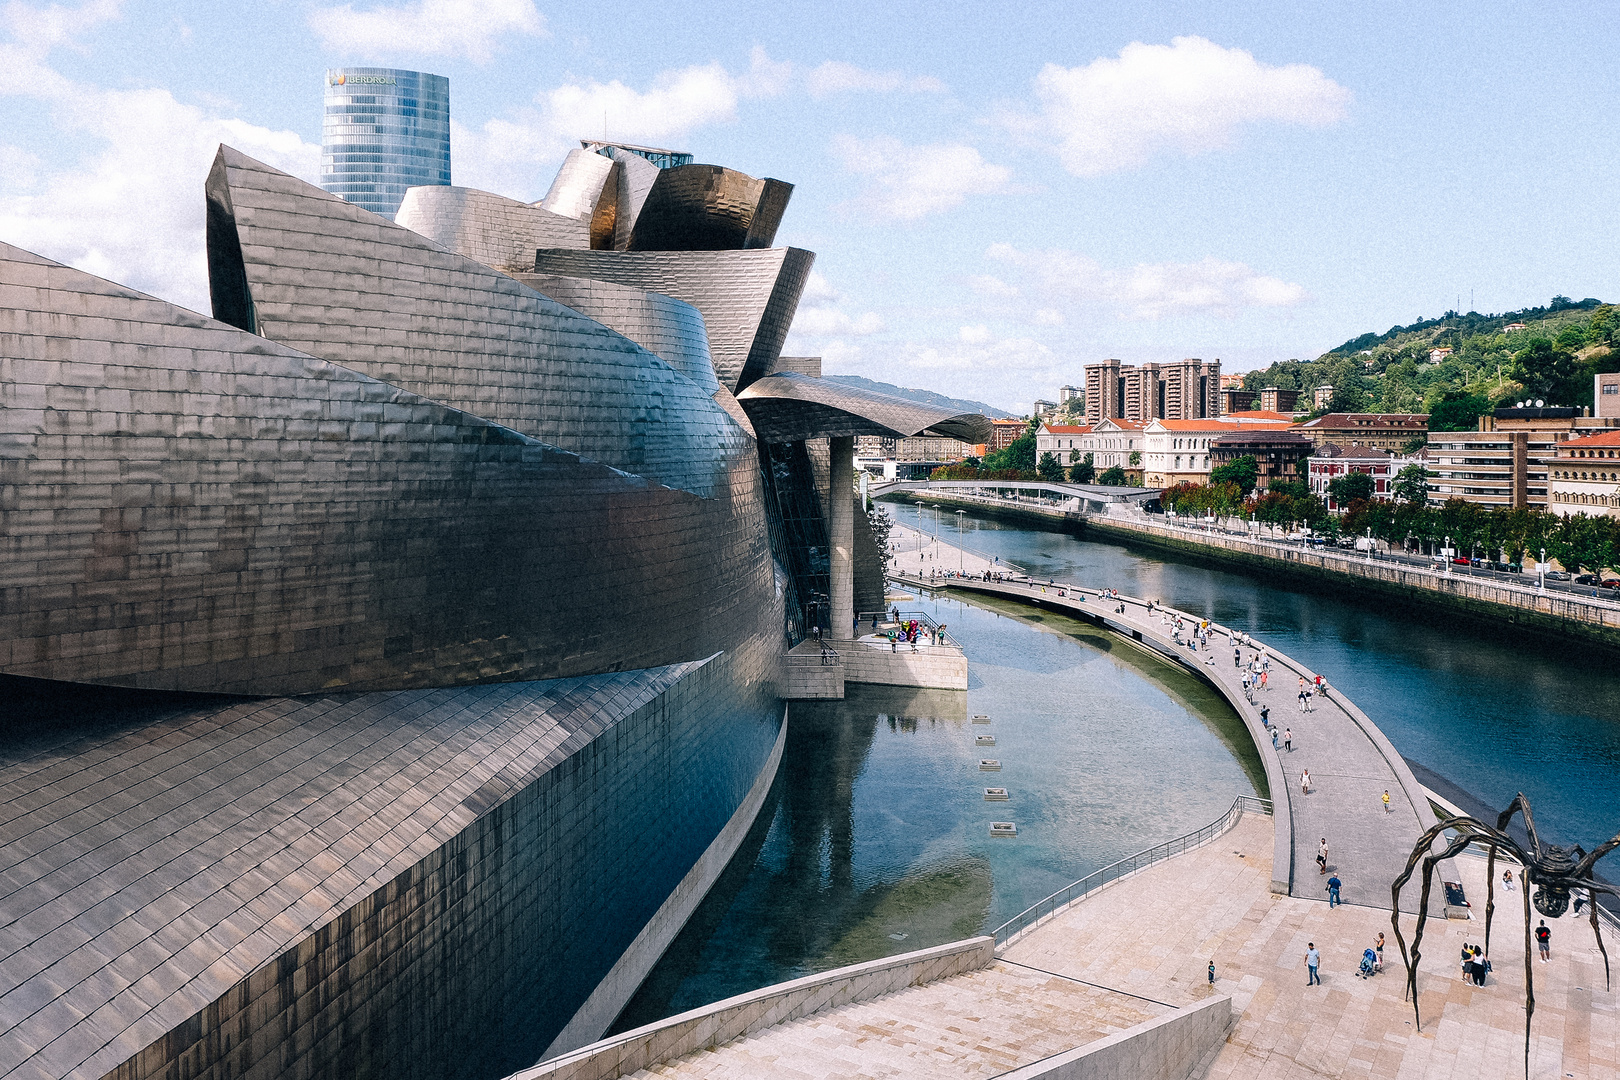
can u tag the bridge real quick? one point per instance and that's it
(1040, 496)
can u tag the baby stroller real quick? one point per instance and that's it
(1369, 964)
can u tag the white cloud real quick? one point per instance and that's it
(504, 154)
(990, 285)
(470, 28)
(44, 28)
(973, 335)
(908, 182)
(821, 314)
(1153, 290)
(837, 77)
(1189, 96)
(1047, 317)
(132, 209)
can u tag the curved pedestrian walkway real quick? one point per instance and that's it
(1351, 762)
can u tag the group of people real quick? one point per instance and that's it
(911, 631)
(1372, 962)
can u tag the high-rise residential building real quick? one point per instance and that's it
(385, 131)
(1184, 390)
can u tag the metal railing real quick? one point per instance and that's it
(1036, 913)
(885, 619)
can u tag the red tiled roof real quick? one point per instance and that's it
(1261, 414)
(1065, 429)
(1608, 438)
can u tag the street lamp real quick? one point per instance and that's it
(959, 555)
(1369, 543)
(1446, 551)
(1541, 568)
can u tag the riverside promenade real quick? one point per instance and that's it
(1351, 762)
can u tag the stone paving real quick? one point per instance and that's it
(976, 1025)
(1154, 933)
(917, 553)
(1350, 766)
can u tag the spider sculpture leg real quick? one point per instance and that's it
(1490, 896)
(1520, 803)
(1529, 974)
(1593, 889)
(1485, 835)
(1583, 869)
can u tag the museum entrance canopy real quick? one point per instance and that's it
(788, 406)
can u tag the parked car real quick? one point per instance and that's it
(1557, 575)
(1612, 583)
(1460, 561)
(1586, 579)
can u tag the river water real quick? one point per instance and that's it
(875, 838)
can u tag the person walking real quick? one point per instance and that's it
(1333, 886)
(1265, 716)
(1313, 961)
(1379, 949)
(1388, 809)
(1288, 739)
(1305, 782)
(1543, 939)
(1274, 738)
(1322, 856)
(1212, 972)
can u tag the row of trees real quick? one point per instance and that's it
(1577, 542)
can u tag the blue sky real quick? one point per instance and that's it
(996, 197)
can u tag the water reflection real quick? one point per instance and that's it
(876, 837)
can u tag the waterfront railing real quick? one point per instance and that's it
(1035, 914)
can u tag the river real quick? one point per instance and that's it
(875, 837)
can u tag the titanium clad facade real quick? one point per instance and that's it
(748, 298)
(329, 280)
(391, 884)
(384, 132)
(499, 232)
(200, 509)
(500, 583)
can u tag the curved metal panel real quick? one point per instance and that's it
(202, 509)
(748, 298)
(499, 232)
(332, 281)
(787, 407)
(671, 329)
(577, 185)
(709, 208)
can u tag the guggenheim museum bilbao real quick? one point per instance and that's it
(392, 660)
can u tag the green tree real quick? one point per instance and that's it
(1019, 455)
(1085, 472)
(1411, 484)
(1113, 476)
(1548, 372)
(1049, 468)
(1458, 410)
(1243, 471)
(1351, 487)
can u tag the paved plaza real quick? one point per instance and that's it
(1154, 933)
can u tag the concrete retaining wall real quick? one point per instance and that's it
(714, 1025)
(1592, 621)
(1172, 1047)
(933, 667)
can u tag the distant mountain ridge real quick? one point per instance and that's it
(922, 397)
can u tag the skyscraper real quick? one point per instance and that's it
(384, 131)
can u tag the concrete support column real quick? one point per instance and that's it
(841, 535)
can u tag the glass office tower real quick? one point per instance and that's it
(385, 130)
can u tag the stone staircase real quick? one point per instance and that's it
(978, 1024)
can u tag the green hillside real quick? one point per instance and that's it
(1552, 359)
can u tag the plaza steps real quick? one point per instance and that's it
(978, 1024)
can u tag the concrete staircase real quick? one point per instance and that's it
(978, 1024)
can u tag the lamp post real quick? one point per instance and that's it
(959, 554)
(1369, 543)
(936, 527)
(1541, 573)
(1446, 552)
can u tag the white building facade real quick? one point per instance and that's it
(1585, 476)
(1177, 451)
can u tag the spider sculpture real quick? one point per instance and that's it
(1553, 871)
